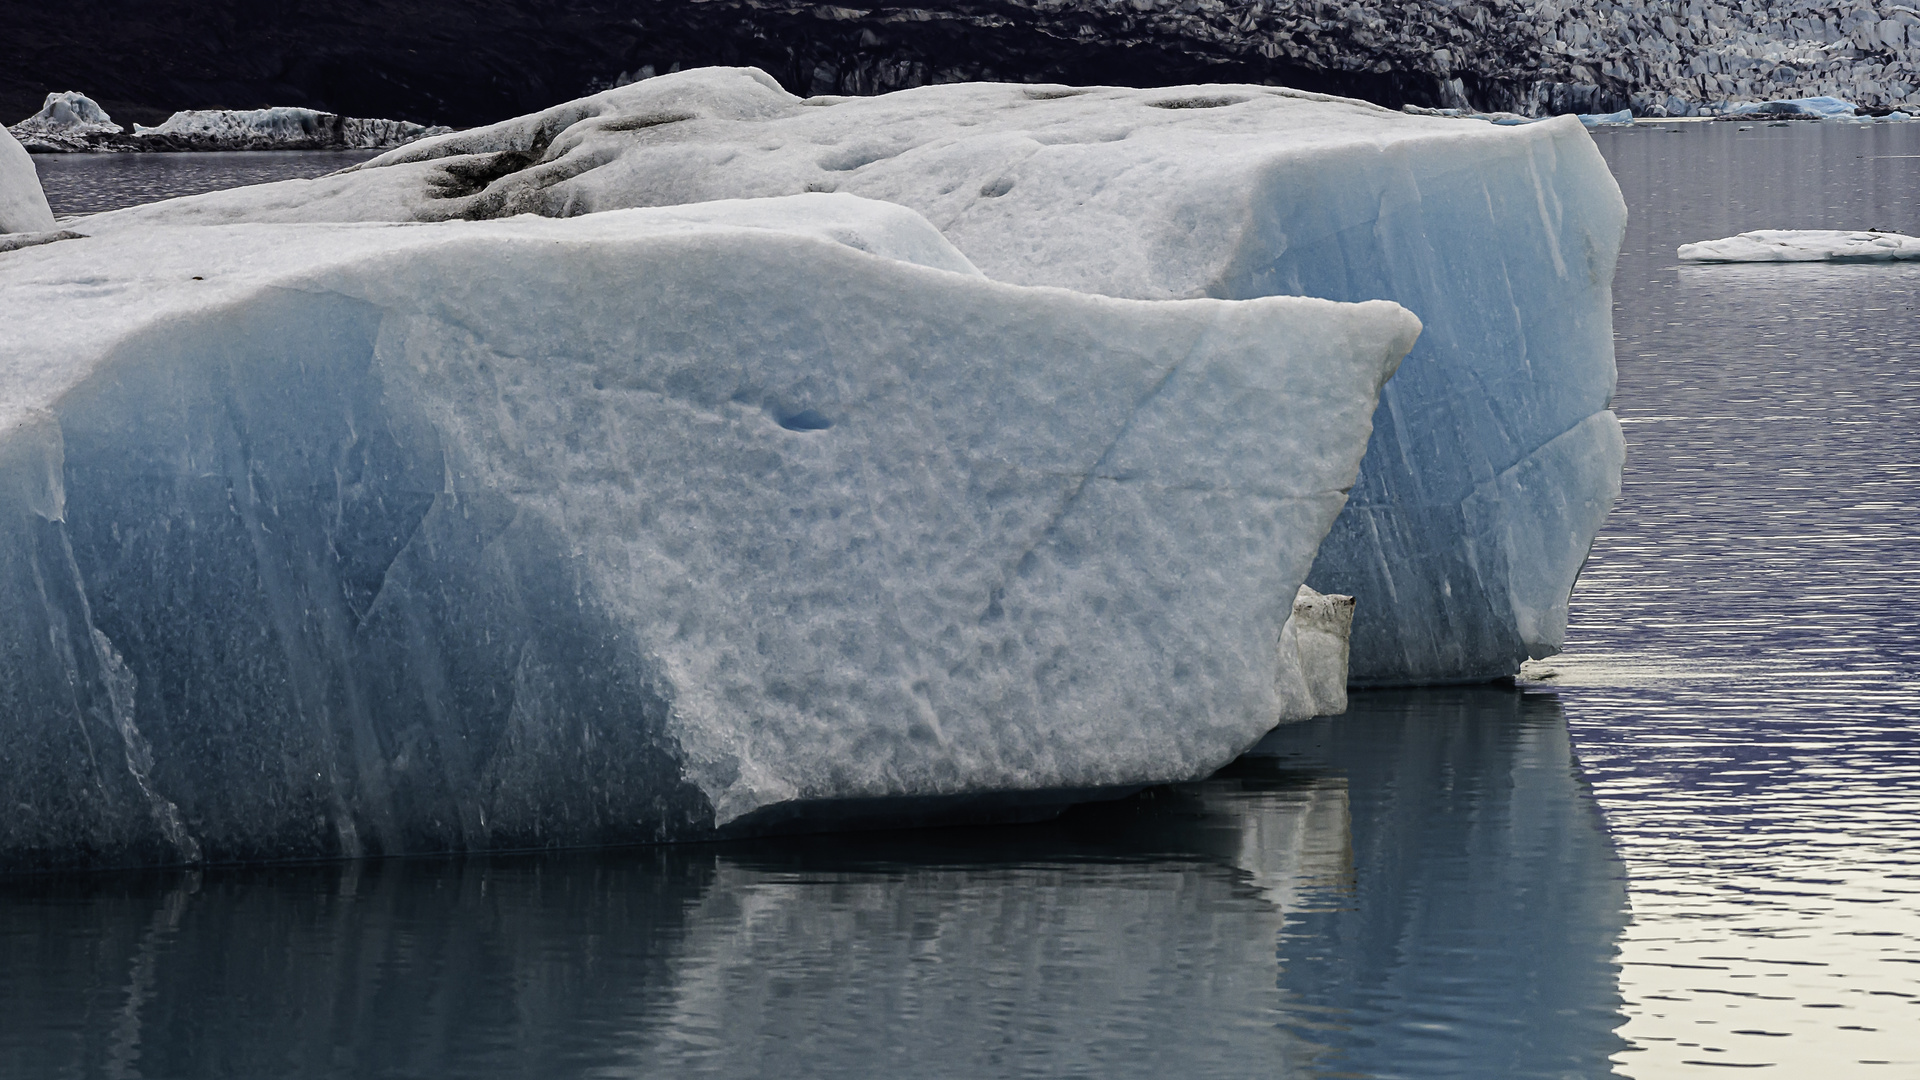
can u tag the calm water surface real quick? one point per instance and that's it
(1690, 843)
(94, 183)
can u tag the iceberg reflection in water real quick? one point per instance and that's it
(1421, 887)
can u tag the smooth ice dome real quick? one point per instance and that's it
(23, 205)
(322, 540)
(1495, 456)
(1803, 245)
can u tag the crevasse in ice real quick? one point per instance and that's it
(1495, 456)
(337, 539)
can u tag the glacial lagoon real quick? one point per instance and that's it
(1686, 844)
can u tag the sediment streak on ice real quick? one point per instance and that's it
(1502, 240)
(610, 529)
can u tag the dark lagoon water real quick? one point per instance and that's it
(96, 183)
(1691, 843)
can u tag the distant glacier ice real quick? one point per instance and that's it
(345, 539)
(1495, 456)
(72, 122)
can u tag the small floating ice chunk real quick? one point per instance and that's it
(1804, 245)
(23, 206)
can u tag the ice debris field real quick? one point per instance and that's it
(691, 452)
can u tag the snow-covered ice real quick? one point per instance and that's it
(325, 539)
(1502, 239)
(1804, 245)
(23, 205)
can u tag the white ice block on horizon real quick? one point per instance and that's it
(338, 539)
(283, 126)
(1502, 239)
(1803, 245)
(23, 204)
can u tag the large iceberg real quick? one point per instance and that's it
(1495, 456)
(344, 539)
(23, 203)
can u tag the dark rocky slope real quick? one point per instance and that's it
(462, 63)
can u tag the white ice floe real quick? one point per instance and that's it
(1804, 245)
(23, 205)
(1503, 239)
(322, 539)
(282, 128)
(66, 122)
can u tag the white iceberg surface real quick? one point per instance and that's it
(1803, 245)
(23, 204)
(1502, 239)
(338, 539)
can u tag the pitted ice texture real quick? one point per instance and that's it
(1495, 455)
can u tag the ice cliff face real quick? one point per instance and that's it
(23, 205)
(1494, 457)
(326, 539)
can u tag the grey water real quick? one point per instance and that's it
(96, 183)
(1689, 843)
(1743, 676)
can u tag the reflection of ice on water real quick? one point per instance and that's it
(1297, 850)
(1086, 957)
(1424, 881)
